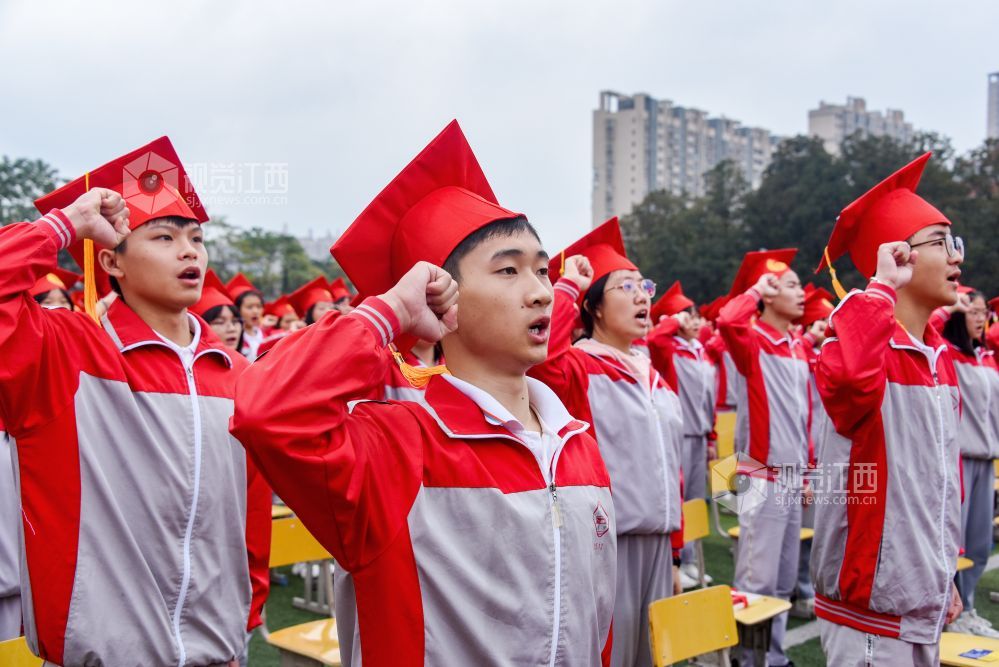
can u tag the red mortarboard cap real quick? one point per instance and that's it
(309, 294)
(964, 289)
(818, 306)
(890, 211)
(994, 303)
(671, 302)
(430, 207)
(710, 311)
(55, 279)
(151, 179)
(279, 307)
(213, 293)
(759, 262)
(603, 246)
(239, 285)
(339, 290)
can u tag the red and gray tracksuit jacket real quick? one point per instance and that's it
(773, 402)
(978, 380)
(639, 428)
(10, 515)
(139, 540)
(462, 547)
(887, 532)
(690, 373)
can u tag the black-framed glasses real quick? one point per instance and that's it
(954, 245)
(631, 286)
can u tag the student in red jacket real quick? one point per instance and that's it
(963, 327)
(679, 355)
(814, 321)
(771, 426)
(250, 303)
(888, 518)
(477, 525)
(52, 289)
(219, 310)
(143, 543)
(636, 416)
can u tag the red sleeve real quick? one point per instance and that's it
(662, 347)
(350, 474)
(938, 318)
(851, 371)
(258, 540)
(43, 351)
(735, 324)
(562, 371)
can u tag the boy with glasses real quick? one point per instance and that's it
(885, 552)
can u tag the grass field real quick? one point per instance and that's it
(720, 565)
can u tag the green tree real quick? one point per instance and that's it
(697, 241)
(976, 215)
(274, 262)
(803, 190)
(22, 181)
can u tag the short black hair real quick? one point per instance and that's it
(593, 299)
(248, 293)
(174, 220)
(215, 311)
(956, 329)
(40, 298)
(504, 227)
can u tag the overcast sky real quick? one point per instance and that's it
(345, 93)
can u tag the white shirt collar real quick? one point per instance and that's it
(195, 335)
(551, 412)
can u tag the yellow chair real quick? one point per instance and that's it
(695, 529)
(719, 471)
(806, 533)
(291, 543)
(281, 511)
(315, 642)
(964, 563)
(15, 653)
(722, 472)
(725, 429)
(692, 624)
(953, 644)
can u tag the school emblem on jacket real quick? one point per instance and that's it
(600, 523)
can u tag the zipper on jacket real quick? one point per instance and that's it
(189, 531)
(557, 540)
(943, 489)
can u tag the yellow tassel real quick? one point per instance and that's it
(561, 270)
(89, 279)
(837, 285)
(417, 376)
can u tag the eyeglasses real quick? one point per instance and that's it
(953, 244)
(630, 287)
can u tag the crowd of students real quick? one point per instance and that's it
(493, 441)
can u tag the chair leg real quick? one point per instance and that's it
(327, 572)
(699, 550)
